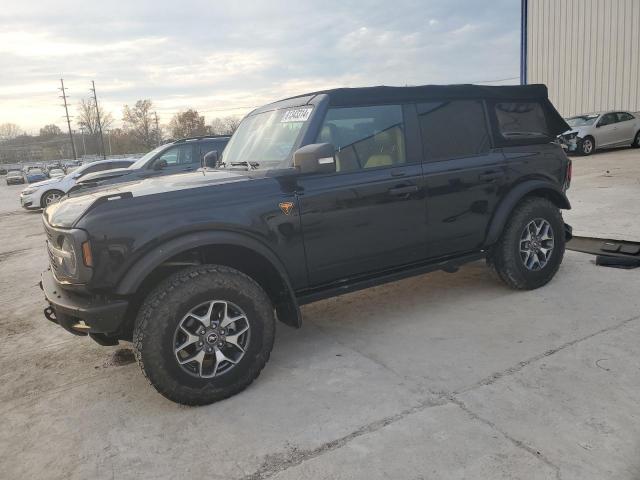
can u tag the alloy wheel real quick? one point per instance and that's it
(536, 244)
(587, 146)
(211, 338)
(52, 198)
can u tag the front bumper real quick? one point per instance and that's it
(29, 202)
(94, 315)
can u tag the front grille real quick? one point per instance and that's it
(51, 239)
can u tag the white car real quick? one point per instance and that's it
(40, 194)
(56, 173)
(602, 130)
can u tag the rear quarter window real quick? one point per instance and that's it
(520, 121)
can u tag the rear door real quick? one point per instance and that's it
(607, 131)
(626, 128)
(464, 175)
(370, 214)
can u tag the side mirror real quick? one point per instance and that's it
(160, 164)
(315, 158)
(210, 159)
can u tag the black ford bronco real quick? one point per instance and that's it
(314, 196)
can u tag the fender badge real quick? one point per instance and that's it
(286, 207)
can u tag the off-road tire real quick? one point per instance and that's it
(166, 305)
(505, 258)
(587, 151)
(43, 200)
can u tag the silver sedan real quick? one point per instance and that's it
(602, 130)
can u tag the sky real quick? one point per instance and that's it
(227, 57)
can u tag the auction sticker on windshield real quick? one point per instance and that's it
(296, 115)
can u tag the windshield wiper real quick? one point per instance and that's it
(252, 165)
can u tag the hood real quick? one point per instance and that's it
(70, 209)
(97, 176)
(43, 183)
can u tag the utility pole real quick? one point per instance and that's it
(66, 111)
(84, 146)
(95, 99)
(157, 128)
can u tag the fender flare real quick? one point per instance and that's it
(288, 309)
(500, 217)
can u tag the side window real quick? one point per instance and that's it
(178, 155)
(624, 116)
(207, 147)
(453, 129)
(117, 164)
(96, 168)
(607, 119)
(518, 120)
(365, 137)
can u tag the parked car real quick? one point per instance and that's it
(14, 177)
(314, 196)
(183, 155)
(41, 194)
(3, 171)
(56, 173)
(593, 131)
(34, 175)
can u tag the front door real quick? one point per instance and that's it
(179, 158)
(370, 214)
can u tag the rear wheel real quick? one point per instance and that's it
(52, 196)
(636, 141)
(531, 247)
(587, 146)
(204, 334)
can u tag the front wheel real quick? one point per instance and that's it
(204, 334)
(531, 248)
(587, 146)
(52, 196)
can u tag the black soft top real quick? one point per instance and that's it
(358, 96)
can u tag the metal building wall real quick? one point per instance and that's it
(586, 51)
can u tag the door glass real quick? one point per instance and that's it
(365, 137)
(453, 129)
(623, 116)
(178, 155)
(607, 119)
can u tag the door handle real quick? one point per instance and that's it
(490, 176)
(404, 190)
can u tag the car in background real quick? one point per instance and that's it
(593, 131)
(56, 173)
(35, 175)
(41, 194)
(183, 155)
(15, 177)
(3, 171)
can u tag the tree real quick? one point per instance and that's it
(224, 126)
(88, 118)
(49, 131)
(9, 131)
(187, 124)
(139, 121)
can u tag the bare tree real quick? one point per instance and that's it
(139, 121)
(187, 124)
(88, 118)
(51, 130)
(9, 131)
(224, 126)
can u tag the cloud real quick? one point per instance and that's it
(227, 57)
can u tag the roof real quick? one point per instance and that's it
(353, 96)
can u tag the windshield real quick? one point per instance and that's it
(582, 120)
(265, 140)
(146, 157)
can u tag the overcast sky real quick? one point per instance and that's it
(225, 57)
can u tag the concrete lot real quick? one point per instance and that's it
(438, 376)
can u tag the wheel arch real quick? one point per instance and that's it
(46, 192)
(230, 249)
(529, 188)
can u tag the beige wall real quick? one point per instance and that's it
(587, 52)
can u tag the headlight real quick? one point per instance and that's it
(64, 258)
(29, 191)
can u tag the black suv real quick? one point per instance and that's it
(314, 196)
(183, 155)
